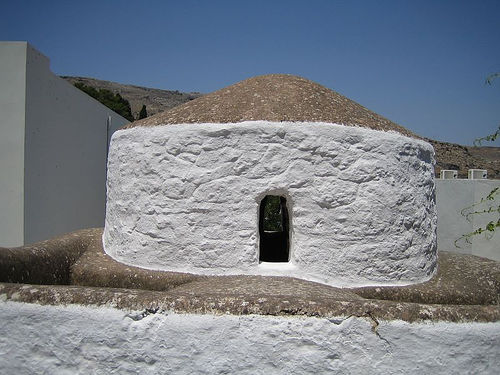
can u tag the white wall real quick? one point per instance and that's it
(66, 154)
(12, 109)
(53, 164)
(89, 340)
(186, 198)
(452, 197)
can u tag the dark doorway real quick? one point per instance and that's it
(274, 229)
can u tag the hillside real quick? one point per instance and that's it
(156, 100)
(448, 155)
(463, 158)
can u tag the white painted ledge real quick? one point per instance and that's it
(103, 340)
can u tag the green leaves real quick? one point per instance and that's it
(492, 225)
(272, 214)
(488, 138)
(475, 209)
(115, 102)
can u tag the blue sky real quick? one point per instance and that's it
(419, 63)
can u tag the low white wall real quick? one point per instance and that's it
(186, 198)
(453, 196)
(84, 340)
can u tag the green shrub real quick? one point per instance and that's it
(115, 102)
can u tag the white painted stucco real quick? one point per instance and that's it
(455, 196)
(53, 146)
(93, 340)
(186, 198)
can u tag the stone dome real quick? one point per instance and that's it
(276, 98)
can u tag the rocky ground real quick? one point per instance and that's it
(448, 155)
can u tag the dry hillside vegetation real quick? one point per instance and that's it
(155, 100)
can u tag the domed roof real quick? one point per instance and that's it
(273, 97)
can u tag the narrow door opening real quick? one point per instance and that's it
(274, 229)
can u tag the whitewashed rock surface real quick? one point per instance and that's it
(37, 339)
(186, 198)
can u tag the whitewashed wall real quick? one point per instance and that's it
(66, 143)
(186, 198)
(53, 145)
(455, 196)
(89, 340)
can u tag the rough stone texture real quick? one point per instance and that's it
(186, 198)
(461, 279)
(244, 301)
(96, 268)
(448, 155)
(98, 280)
(273, 97)
(46, 262)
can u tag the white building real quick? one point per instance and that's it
(358, 202)
(53, 147)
